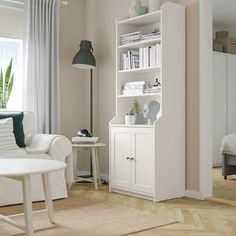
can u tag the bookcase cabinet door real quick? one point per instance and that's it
(120, 157)
(142, 164)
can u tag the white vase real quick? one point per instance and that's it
(154, 5)
(130, 119)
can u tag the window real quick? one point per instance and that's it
(12, 49)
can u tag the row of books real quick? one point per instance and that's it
(138, 36)
(129, 60)
(150, 56)
(142, 58)
(139, 87)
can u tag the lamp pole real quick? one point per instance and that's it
(91, 116)
(91, 101)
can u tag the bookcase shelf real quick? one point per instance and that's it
(140, 95)
(141, 70)
(143, 20)
(133, 126)
(143, 43)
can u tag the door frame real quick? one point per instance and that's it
(205, 97)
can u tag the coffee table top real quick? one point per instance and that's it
(22, 167)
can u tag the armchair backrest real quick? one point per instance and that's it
(29, 123)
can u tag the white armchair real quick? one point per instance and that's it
(47, 146)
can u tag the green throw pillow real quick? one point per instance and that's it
(17, 126)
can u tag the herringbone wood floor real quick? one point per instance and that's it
(213, 217)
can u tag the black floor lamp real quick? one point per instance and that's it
(84, 59)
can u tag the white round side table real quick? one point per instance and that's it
(21, 170)
(93, 148)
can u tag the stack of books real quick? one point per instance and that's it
(129, 60)
(153, 89)
(134, 88)
(154, 34)
(130, 38)
(84, 140)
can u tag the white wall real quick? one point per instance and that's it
(102, 31)
(74, 82)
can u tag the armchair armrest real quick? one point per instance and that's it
(58, 147)
(61, 149)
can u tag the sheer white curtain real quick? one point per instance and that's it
(41, 90)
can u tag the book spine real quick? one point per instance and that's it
(140, 57)
(158, 54)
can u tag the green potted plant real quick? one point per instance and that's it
(6, 85)
(136, 108)
(130, 117)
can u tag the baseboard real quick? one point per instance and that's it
(104, 177)
(217, 162)
(194, 195)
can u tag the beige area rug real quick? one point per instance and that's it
(90, 219)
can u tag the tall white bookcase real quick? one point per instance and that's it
(148, 161)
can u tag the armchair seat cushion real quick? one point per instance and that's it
(21, 154)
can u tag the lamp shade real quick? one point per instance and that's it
(84, 59)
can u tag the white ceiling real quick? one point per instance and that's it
(224, 12)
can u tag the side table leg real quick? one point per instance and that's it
(95, 174)
(98, 168)
(48, 196)
(27, 206)
(75, 162)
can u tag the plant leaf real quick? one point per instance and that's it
(6, 85)
(8, 74)
(9, 88)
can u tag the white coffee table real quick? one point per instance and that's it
(21, 170)
(93, 148)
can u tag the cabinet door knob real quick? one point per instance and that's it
(127, 158)
(132, 159)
